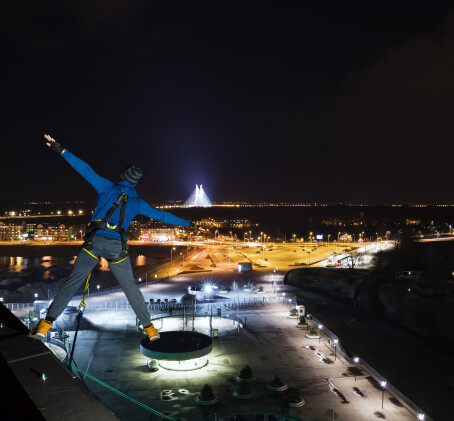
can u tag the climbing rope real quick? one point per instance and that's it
(74, 367)
(118, 392)
(80, 312)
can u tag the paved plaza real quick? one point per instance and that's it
(269, 343)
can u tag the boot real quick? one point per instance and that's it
(151, 332)
(40, 331)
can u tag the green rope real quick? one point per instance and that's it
(118, 392)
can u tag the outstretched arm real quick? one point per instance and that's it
(159, 215)
(99, 183)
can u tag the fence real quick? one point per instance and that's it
(19, 306)
(411, 406)
(226, 303)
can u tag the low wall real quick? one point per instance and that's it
(337, 283)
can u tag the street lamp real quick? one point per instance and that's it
(420, 416)
(356, 361)
(283, 295)
(97, 287)
(171, 251)
(36, 295)
(383, 385)
(320, 327)
(335, 348)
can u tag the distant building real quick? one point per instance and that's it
(346, 238)
(157, 231)
(52, 232)
(244, 267)
(11, 232)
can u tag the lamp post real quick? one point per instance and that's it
(335, 348)
(182, 255)
(383, 385)
(97, 287)
(171, 254)
(283, 295)
(420, 416)
(356, 361)
(320, 328)
(36, 295)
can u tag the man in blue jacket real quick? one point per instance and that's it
(117, 205)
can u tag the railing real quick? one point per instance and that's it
(19, 306)
(411, 406)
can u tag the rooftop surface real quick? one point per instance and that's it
(269, 343)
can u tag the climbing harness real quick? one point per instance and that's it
(104, 224)
(80, 312)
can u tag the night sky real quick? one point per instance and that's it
(323, 101)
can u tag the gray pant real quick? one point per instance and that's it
(106, 247)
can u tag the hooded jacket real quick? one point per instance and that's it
(108, 193)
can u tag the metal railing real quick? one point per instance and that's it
(19, 306)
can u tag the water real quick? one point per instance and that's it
(21, 277)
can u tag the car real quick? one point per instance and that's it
(151, 301)
(173, 300)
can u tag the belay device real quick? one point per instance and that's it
(104, 224)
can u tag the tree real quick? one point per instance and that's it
(235, 286)
(207, 394)
(246, 373)
(276, 382)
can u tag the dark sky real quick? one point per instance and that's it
(323, 101)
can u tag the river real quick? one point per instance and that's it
(29, 270)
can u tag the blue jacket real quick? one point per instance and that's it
(108, 193)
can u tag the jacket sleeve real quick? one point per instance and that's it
(159, 215)
(99, 183)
